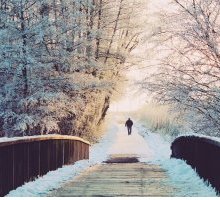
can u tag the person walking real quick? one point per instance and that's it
(129, 124)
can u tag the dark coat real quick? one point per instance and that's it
(129, 123)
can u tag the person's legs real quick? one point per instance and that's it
(129, 130)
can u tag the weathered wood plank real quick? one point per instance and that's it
(7, 169)
(21, 165)
(118, 179)
(34, 160)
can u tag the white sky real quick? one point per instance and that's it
(132, 98)
(156, 5)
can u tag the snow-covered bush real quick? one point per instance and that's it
(158, 118)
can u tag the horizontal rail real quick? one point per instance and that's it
(26, 139)
(24, 159)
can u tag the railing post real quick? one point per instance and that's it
(6, 169)
(20, 171)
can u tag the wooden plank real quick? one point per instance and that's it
(87, 151)
(83, 154)
(34, 160)
(79, 151)
(59, 149)
(66, 152)
(73, 152)
(2, 152)
(53, 155)
(21, 165)
(6, 170)
(44, 157)
(121, 179)
(76, 151)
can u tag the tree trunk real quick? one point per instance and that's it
(24, 52)
(114, 31)
(98, 29)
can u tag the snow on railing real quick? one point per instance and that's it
(24, 159)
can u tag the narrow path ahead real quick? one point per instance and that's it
(125, 173)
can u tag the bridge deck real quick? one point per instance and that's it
(119, 179)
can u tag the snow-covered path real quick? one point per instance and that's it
(149, 147)
(133, 144)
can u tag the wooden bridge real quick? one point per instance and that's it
(124, 173)
(127, 171)
(25, 159)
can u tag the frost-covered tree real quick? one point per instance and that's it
(189, 74)
(59, 61)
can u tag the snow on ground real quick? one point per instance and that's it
(133, 144)
(149, 147)
(182, 176)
